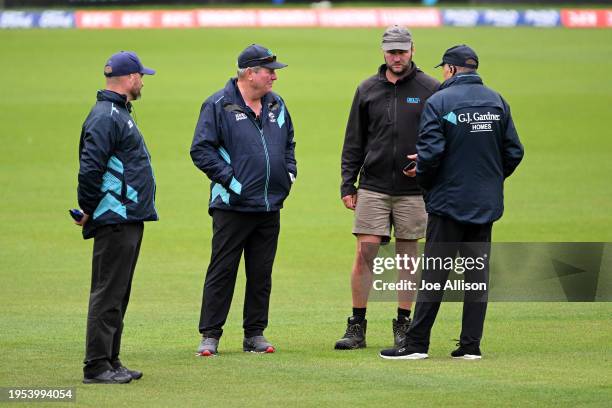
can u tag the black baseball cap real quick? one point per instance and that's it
(125, 63)
(460, 56)
(258, 56)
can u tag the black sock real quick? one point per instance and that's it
(359, 314)
(403, 313)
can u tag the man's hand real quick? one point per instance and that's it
(350, 201)
(411, 172)
(83, 220)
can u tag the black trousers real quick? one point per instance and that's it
(446, 238)
(115, 253)
(255, 234)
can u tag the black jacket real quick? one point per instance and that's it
(247, 161)
(116, 182)
(382, 129)
(467, 146)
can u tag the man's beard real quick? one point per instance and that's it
(402, 71)
(135, 94)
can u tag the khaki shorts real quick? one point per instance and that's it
(377, 212)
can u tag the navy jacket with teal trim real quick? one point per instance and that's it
(467, 146)
(116, 181)
(247, 160)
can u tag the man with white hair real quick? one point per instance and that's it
(467, 147)
(244, 143)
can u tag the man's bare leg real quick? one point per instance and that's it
(361, 275)
(361, 281)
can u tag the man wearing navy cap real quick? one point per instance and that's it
(467, 147)
(243, 142)
(116, 193)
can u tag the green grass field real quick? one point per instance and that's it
(536, 354)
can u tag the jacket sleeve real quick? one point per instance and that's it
(207, 141)
(513, 151)
(98, 138)
(430, 146)
(290, 149)
(353, 150)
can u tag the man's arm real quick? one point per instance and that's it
(513, 151)
(97, 144)
(353, 150)
(290, 149)
(206, 150)
(430, 146)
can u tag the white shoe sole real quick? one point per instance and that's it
(468, 357)
(413, 356)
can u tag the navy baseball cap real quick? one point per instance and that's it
(460, 56)
(258, 56)
(125, 63)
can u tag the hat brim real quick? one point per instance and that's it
(274, 65)
(147, 71)
(440, 64)
(404, 46)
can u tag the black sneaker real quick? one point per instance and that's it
(465, 352)
(354, 338)
(257, 344)
(110, 376)
(400, 328)
(406, 352)
(136, 375)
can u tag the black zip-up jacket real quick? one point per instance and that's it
(116, 181)
(467, 146)
(382, 129)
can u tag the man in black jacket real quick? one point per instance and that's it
(467, 147)
(381, 131)
(116, 193)
(244, 143)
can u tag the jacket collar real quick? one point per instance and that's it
(462, 79)
(114, 97)
(412, 71)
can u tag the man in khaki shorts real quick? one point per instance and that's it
(381, 131)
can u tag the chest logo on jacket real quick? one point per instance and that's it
(272, 117)
(413, 100)
(240, 116)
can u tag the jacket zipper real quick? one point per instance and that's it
(263, 141)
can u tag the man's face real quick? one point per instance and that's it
(135, 85)
(263, 80)
(398, 61)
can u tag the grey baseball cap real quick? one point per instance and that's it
(396, 38)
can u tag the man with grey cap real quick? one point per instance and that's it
(380, 133)
(116, 193)
(243, 142)
(467, 147)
